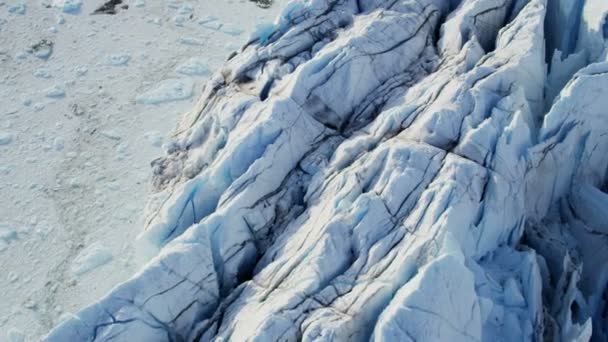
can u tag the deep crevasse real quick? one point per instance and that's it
(385, 170)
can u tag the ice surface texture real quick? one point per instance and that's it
(410, 170)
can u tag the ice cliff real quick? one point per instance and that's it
(403, 170)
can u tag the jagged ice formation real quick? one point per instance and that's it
(405, 170)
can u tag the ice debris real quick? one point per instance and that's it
(194, 67)
(18, 8)
(167, 91)
(55, 91)
(118, 59)
(90, 258)
(5, 138)
(42, 49)
(68, 6)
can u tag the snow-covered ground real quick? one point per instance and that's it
(85, 103)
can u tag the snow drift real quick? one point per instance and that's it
(410, 170)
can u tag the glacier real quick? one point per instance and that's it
(384, 170)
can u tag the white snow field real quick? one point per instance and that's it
(361, 170)
(86, 103)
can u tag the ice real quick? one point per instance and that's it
(173, 4)
(421, 170)
(81, 70)
(5, 138)
(18, 8)
(15, 335)
(185, 9)
(68, 6)
(210, 22)
(42, 73)
(55, 91)
(12, 277)
(118, 59)
(42, 49)
(20, 55)
(231, 29)
(207, 19)
(155, 21)
(7, 236)
(38, 106)
(263, 32)
(155, 138)
(90, 258)
(179, 20)
(110, 134)
(195, 66)
(425, 306)
(58, 144)
(191, 41)
(167, 91)
(513, 296)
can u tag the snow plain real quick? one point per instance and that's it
(82, 115)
